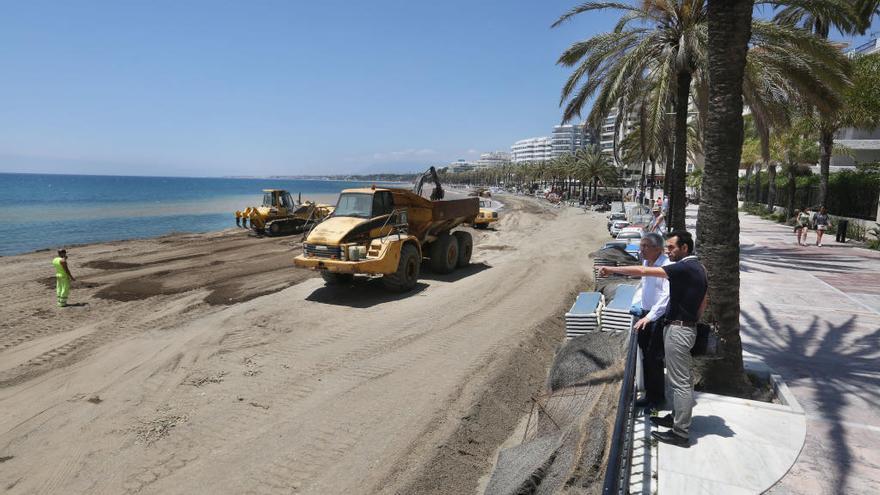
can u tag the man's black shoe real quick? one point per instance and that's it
(664, 421)
(671, 438)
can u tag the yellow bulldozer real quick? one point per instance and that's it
(279, 214)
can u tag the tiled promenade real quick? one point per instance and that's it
(813, 314)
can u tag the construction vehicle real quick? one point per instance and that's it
(386, 232)
(487, 215)
(279, 214)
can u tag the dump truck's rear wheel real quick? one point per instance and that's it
(407, 273)
(331, 278)
(465, 247)
(444, 254)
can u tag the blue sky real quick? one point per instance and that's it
(213, 88)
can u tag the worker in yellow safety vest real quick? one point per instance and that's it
(62, 277)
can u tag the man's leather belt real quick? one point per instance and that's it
(681, 323)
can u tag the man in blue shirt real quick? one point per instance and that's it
(688, 297)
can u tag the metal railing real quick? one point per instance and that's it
(617, 471)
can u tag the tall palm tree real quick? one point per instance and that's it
(796, 149)
(848, 17)
(665, 43)
(664, 38)
(592, 168)
(729, 31)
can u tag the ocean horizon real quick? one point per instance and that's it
(45, 211)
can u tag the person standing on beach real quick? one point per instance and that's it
(688, 297)
(63, 277)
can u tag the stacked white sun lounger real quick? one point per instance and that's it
(583, 317)
(615, 315)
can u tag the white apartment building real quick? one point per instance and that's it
(864, 144)
(460, 166)
(493, 159)
(537, 149)
(569, 138)
(606, 132)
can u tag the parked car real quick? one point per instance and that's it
(633, 248)
(613, 217)
(617, 226)
(630, 233)
(620, 244)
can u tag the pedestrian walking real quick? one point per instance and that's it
(658, 223)
(63, 277)
(688, 296)
(649, 305)
(822, 224)
(801, 225)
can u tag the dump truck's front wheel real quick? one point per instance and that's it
(331, 278)
(407, 273)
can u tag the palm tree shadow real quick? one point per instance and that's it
(835, 359)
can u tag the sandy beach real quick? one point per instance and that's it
(208, 363)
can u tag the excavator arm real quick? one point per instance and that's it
(430, 174)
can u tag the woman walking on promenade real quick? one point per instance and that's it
(63, 277)
(801, 226)
(822, 224)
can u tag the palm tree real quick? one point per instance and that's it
(659, 47)
(592, 168)
(729, 30)
(668, 43)
(796, 148)
(848, 17)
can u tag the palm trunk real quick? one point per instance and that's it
(791, 187)
(729, 30)
(667, 174)
(677, 188)
(653, 176)
(771, 187)
(826, 142)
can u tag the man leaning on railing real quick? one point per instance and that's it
(649, 305)
(688, 296)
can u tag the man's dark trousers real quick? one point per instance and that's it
(651, 343)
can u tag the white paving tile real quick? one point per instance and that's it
(737, 446)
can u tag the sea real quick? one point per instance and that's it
(40, 211)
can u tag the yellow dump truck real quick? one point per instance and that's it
(487, 215)
(386, 232)
(279, 214)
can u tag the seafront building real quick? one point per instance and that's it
(493, 159)
(567, 139)
(564, 140)
(863, 144)
(537, 149)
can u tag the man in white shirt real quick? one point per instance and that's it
(651, 300)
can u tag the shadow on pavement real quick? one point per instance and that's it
(833, 359)
(704, 426)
